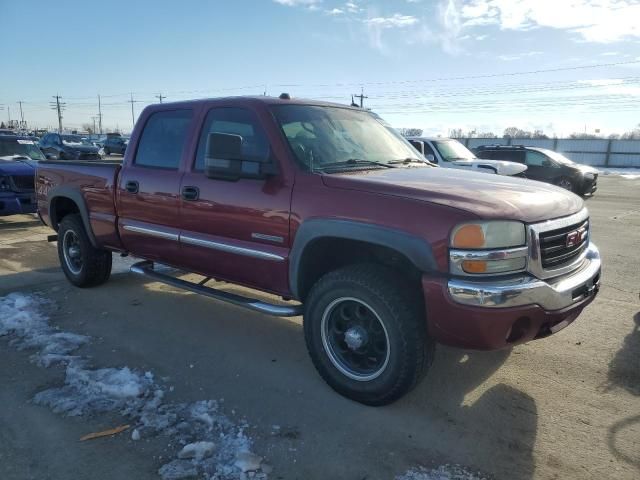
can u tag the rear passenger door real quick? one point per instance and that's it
(236, 230)
(148, 188)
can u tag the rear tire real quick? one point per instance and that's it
(366, 333)
(82, 263)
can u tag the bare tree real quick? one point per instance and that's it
(87, 127)
(410, 132)
(456, 133)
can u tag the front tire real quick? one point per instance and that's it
(366, 333)
(82, 263)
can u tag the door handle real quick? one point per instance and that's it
(132, 186)
(190, 193)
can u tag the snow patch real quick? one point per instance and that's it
(629, 173)
(21, 319)
(212, 445)
(443, 472)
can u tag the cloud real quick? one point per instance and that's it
(394, 21)
(335, 11)
(518, 56)
(299, 3)
(598, 21)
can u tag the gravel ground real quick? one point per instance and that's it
(564, 407)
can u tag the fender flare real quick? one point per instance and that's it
(415, 248)
(76, 197)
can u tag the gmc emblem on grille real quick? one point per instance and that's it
(576, 237)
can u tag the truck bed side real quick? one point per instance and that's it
(87, 188)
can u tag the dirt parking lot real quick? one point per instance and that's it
(564, 407)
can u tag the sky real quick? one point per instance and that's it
(561, 66)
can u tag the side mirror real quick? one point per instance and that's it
(224, 160)
(431, 158)
(418, 145)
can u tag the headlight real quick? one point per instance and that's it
(4, 184)
(492, 234)
(491, 247)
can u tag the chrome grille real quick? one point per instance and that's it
(549, 254)
(554, 248)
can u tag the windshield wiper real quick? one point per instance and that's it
(354, 161)
(409, 160)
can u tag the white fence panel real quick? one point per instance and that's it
(622, 160)
(596, 152)
(576, 145)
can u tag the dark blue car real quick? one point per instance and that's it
(18, 159)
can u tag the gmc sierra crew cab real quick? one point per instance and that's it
(329, 208)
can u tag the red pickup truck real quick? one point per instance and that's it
(329, 208)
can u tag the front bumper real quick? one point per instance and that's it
(528, 290)
(16, 203)
(492, 315)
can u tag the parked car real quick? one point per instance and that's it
(18, 157)
(450, 153)
(322, 205)
(114, 144)
(546, 166)
(68, 147)
(6, 131)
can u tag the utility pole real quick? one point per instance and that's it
(58, 107)
(99, 115)
(362, 96)
(160, 97)
(94, 123)
(22, 124)
(9, 114)
(133, 118)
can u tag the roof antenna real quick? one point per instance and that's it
(353, 104)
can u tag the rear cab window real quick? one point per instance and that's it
(163, 139)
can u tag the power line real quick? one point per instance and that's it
(160, 97)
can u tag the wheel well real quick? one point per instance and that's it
(61, 207)
(327, 254)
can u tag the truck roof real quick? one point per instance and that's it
(252, 100)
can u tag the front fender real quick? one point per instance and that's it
(416, 249)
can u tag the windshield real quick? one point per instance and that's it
(453, 150)
(328, 135)
(74, 140)
(558, 157)
(21, 148)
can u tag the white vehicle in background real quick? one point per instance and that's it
(450, 153)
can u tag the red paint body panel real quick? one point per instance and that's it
(424, 202)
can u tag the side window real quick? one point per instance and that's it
(163, 139)
(508, 155)
(235, 121)
(428, 150)
(535, 159)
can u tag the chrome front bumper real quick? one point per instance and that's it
(554, 294)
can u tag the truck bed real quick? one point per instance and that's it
(92, 183)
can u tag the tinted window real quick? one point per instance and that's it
(163, 139)
(535, 159)
(509, 155)
(428, 150)
(235, 121)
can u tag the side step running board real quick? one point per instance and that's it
(146, 268)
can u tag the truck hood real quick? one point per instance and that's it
(487, 196)
(501, 167)
(16, 167)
